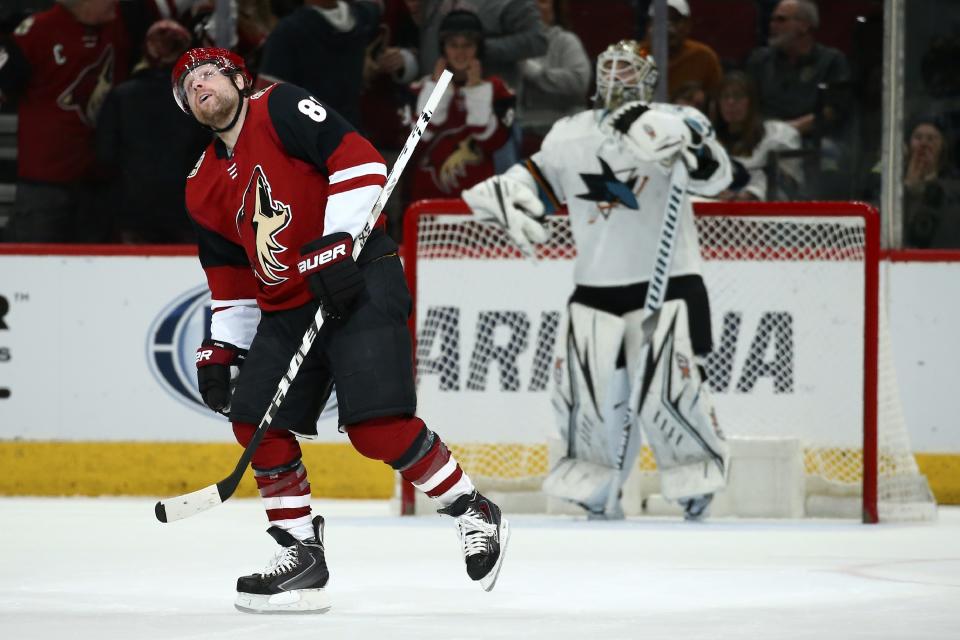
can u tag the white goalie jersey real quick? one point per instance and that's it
(615, 201)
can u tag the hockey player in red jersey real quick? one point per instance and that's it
(278, 198)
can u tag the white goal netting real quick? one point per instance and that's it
(794, 311)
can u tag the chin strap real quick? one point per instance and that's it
(241, 94)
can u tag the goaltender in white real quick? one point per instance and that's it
(612, 166)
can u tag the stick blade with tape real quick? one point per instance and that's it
(187, 505)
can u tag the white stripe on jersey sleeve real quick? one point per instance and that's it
(245, 302)
(366, 169)
(348, 211)
(235, 324)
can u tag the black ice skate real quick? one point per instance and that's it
(484, 535)
(697, 507)
(293, 582)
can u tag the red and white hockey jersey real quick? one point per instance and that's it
(298, 171)
(468, 125)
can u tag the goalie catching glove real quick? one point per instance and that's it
(218, 363)
(332, 274)
(512, 205)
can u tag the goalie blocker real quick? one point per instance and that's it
(604, 345)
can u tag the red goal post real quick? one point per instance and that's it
(805, 274)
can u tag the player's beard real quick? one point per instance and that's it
(220, 113)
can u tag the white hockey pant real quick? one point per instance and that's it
(677, 414)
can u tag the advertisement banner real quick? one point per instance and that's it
(102, 348)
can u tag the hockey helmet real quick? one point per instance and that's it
(625, 72)
(227, 61)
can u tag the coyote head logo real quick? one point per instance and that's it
(86, 93)
(267, 217)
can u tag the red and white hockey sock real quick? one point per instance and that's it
(407, 445)
(281, 479)
(438, 474)
(285, 492)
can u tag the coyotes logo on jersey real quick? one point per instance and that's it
(86, 93)
(267, 218)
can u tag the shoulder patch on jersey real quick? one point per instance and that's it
(196, 167)
(24, 26)
(259, 94)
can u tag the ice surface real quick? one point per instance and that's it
(73, 569)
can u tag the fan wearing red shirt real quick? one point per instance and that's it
(470, 123)
(278, 198)
(60, 64)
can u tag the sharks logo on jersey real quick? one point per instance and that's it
(609, 191)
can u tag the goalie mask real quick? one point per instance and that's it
(625, 73)
(227, 62)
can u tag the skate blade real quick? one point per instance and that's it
(297, 601)
(489, 581)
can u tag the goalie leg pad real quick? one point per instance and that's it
(588, 386)
(591, 403)
(676, 412)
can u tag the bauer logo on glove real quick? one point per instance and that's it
(315, 260)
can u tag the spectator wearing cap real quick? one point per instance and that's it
(513, 32)
(931, 199)
(321, 47)
(789, 72)
(556, 84)
(60, 64)
(690, 61)
(150, 145)
(472, 120)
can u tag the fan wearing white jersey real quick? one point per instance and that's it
(611, 167)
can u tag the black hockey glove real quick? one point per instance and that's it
(214, 361)
(332, 274)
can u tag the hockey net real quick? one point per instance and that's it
(801, 348)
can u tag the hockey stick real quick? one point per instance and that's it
(191, 503)
(656, 293)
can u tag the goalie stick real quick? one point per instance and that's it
(192, 503)
(656, 294)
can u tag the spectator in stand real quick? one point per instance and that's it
(750, 140)
(472, 119)
(321, 47)
(138, 118)
(555, 85)
(393, 53)
(61, 63)
(692, 94)
(690, 60)
(513, 32)
(931, 189)
(789, 71)
(389, 68)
